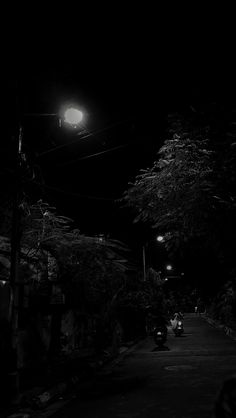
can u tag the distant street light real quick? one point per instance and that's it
(160, 238)
(169, 267)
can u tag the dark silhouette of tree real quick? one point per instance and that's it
(176, 195)
(188, 194)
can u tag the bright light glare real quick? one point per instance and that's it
(160, 238)
(73, 116)
(168, 267)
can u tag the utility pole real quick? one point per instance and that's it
(144, 263)
(13, 373)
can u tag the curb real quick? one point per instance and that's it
(125, 352)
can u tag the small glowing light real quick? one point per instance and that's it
(3, 282)
(168, 267)
(73, 116)
(160, 238)
(166, 280)
(101, 237)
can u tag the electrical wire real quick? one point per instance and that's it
(90, 133)
(91, 155)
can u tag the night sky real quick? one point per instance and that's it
(126, 88)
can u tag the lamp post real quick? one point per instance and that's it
(144, 264)
(13, 374)
(69, 115)
(159, 239)
(72, 117)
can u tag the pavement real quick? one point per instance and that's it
(55, 388)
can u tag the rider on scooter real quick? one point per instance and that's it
(160, 321)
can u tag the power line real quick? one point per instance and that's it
(91, 133)
(92, 155)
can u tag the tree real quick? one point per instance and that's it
(90, 270)
(188, 195)
(176, 194)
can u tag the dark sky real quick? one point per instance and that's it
(126, 87)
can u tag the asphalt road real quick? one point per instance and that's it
(181, 381)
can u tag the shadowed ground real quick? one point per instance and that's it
(182, 380)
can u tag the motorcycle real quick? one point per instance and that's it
(160, 336)
(179, 328)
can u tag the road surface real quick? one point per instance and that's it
(181, 381)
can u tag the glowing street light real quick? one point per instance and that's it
(160, 238)
(73, 116)
(169, 267)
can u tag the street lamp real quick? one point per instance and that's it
(70, 115)
(73, 116)
(169, 267)
(159, 239)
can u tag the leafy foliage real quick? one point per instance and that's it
(223, 305)
(188, 194)
(142, 295)
(90, 269)
(176, 194)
